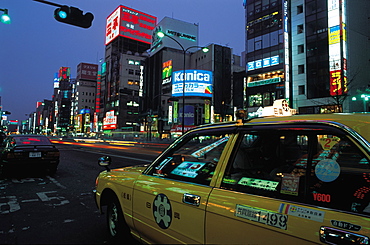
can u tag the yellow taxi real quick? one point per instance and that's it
(297, 179)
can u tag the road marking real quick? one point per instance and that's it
(30, 200)
(9, 206)
(130, 158)
(56, 182)
(45, 198)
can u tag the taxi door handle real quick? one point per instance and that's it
(334, 236)
(191, 199)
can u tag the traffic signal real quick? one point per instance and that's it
(4, 18)
(73, 16)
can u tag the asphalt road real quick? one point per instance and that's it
(39, 209)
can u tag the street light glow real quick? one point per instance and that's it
(160, 34)
(205, 49)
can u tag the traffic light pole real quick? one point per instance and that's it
(49, 3)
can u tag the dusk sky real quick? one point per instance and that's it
(34, 46)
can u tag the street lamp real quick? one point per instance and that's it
(4, 18)
(161, 34)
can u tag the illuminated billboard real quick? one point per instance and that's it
(56, 80)
(110, 120)
(130, 23)
(166, 72)
(337, 47)
(197, 83)
(185, 34)
(266, 62)
(87, 71)
(64, 73)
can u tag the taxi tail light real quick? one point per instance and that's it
(13, 154)
(10, 155)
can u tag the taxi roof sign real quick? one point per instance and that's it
(280, 108)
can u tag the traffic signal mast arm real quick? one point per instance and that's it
(70, 15)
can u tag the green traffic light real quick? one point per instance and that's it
(4, 18)
(62, 14)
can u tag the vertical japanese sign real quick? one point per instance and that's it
(337, 47)
(286, 50)
(175, 111)
(167, 72)
(207, 112)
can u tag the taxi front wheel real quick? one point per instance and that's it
(117, 227)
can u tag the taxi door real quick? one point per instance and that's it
(169, 200)
(257, 205)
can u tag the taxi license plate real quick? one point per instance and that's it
(35, 154)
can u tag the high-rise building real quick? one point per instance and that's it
(84, 97)
(128, 37)
(307, 51)
(62, 98)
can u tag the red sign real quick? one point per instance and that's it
(87, 71)
(110, 120)
(337, 87)
(130, 23)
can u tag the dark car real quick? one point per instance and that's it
(28, 151)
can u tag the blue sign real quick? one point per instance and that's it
(189, 115)
(275, 60)
(251, 66)
(258, 64)
(84, 111)
(197, 83)
(266, 62)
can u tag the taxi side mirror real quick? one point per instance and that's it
(105, 161)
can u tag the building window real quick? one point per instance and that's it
(301, 89)
(137, 72)
(300, 49)
(300, 69)
(131, 71)
(299, 29)
(299, 9)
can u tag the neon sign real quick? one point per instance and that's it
(266, 62)
(167, 72)
(337, 47)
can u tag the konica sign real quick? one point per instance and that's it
(197, 83)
